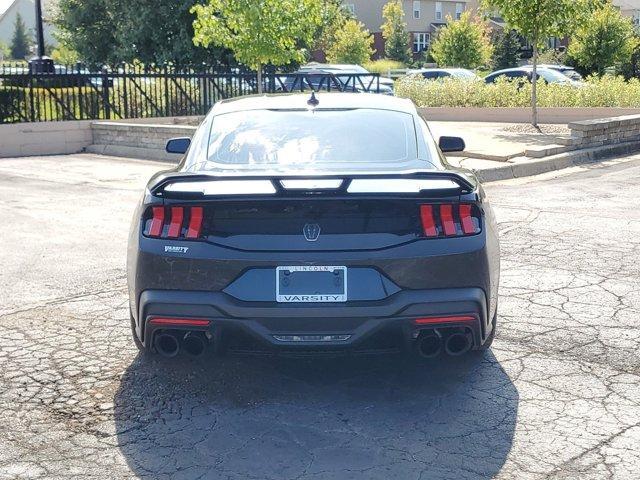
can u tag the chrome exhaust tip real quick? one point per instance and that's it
(194, 344)
(457, 344)
(429, 344)
(166, 345)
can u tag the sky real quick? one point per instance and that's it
(4, 4)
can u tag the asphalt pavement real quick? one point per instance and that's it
(558, 396)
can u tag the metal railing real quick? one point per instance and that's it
(76, 93)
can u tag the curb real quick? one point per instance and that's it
(133, 152)
(561, 161)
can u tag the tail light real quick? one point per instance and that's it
(450, 220)
(173, 222)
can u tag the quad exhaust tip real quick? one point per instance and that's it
(429, 344)
(457, 344)
(167, 345)
(170, 343)
(194, 344)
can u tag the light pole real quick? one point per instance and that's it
(40, 63)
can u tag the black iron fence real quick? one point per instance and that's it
(76, 93)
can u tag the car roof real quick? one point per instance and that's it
(525, 68)
(556, 67)
(331, 66)
(328, 101)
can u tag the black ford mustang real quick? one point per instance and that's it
(311, 225)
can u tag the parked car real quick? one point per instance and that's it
(349, 78)
(442, 73)
(566, 71)
(314, 223)
(526, 73)
(348, 68)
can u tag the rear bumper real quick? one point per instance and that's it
(366, 325)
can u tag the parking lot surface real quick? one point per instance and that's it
(557, 397)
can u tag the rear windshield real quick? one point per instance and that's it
(311, 138)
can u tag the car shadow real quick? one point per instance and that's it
(380, 417)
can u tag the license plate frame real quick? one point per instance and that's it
(336, 296)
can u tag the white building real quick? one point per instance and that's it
(9, 9)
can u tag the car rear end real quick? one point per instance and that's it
(326, 263)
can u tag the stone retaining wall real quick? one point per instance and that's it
(138, 140)
(605, 131)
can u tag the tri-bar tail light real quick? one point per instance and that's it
(449, 220)
(174, 222)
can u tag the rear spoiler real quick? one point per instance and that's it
(188, 185)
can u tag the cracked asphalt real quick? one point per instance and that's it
(557, 397)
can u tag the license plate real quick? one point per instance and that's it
(311, 284)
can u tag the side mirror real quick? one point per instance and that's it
(178, 145)
(451, 144)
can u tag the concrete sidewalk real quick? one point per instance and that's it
(504, 141)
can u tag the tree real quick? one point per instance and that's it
(63, 55)
(258, 33)
(5, 51)
(631, 68)
(21, 40)
(89, 27)
(394, 32)
(115, 31)
(506, 52)
(165, 35)
(332, 18)
(537, 20)
(462, 43)
(353, 44)
(604, 40)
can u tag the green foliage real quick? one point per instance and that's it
(604, 40)
(332, 18)
(5, 51)
(506, 53)
(21, 40)
(258, 33)
(383, 66)
(394, 31)
(165, 35)
(631, 68)
(462, 43)
(115, 31)
(606, 91)
(538, 20)
(89, 27)
(552, 56)
(63, 55)
(352, 44)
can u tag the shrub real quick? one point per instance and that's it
(383, 66)
(606, 91)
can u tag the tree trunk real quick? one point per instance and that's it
(260, 79)
(534, 86)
